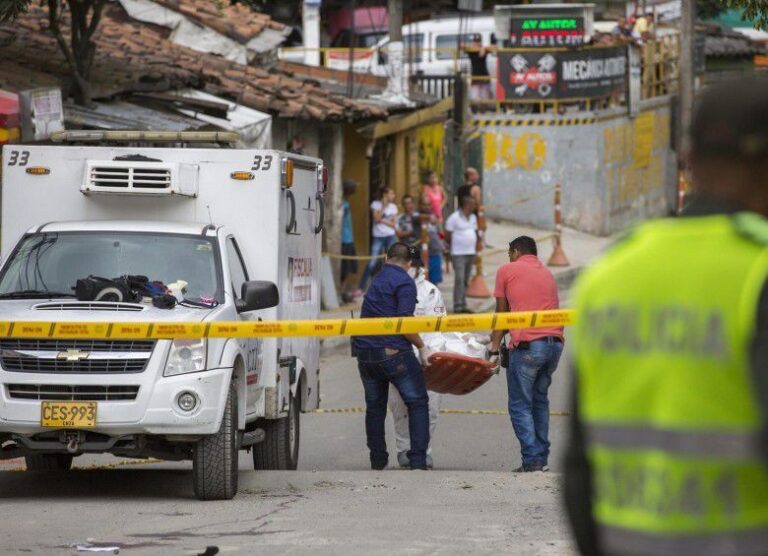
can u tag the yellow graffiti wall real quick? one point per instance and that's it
(507, 151)
(431, 155)
(634, 154)
(356, 167)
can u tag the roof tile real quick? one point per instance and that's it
(132, 56)
(232, 20)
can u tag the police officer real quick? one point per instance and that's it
(668, 450)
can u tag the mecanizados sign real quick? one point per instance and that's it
(554, 74)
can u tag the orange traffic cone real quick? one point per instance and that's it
(477, 286)
(558, 257)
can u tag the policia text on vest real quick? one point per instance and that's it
(666, 389)
(672, 329)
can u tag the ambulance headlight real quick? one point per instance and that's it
(186, 356)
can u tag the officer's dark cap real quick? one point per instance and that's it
(731, 120)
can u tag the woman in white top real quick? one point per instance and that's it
(384, 230)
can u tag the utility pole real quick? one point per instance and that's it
(395, 8)
(311, 29)
(686, 90)
(352, 39)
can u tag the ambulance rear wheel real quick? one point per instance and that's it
(48, 462)
(214, 465)
(280, 448)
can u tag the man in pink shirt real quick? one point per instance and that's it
(525, 284)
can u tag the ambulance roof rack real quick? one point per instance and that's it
(89, 136)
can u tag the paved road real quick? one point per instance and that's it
(334, 504)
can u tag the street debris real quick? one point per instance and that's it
(97, 547)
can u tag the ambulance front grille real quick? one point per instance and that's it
(58, 356)
(129, 177)
(69, 392)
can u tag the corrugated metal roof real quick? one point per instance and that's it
(721, 42)
(125, 115)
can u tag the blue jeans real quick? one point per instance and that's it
(436, 268)
(528, 378)
(379, 245)
(403, 370)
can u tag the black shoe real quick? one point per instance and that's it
(379, 466)
(529, 468)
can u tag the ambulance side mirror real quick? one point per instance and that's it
(257, 294)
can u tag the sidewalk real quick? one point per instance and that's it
(580, 248)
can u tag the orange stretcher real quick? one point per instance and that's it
(451, 373)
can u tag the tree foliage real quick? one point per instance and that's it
(755, 11)
(76, 43)
(10, 9)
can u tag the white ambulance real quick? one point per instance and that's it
(235, 234)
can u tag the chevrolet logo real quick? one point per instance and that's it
(72, 355)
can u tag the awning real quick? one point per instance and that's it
(397, 124)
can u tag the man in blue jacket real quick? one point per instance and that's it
(389, 359)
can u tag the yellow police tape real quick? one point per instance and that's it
(353, 257)
(333, 410)
(285, 328)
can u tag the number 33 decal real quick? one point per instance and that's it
(257, 162)
(19, 158)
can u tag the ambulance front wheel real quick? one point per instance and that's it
(280, 447)
(214, 465)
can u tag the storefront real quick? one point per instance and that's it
(398, 153)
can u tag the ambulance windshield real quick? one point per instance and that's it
(50, 264)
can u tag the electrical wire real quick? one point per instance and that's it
(40, 252)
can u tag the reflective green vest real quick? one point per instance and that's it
(665, 388)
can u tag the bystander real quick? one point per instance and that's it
(436, 246)
(525, 284)
(348, 265)
(384, 213)
(409, 223)
(462, 238)
(480, 88)
(436, 195)
(471, 186)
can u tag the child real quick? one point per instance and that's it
(436, 247)
(348, 266)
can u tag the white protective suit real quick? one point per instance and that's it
(429, 301)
